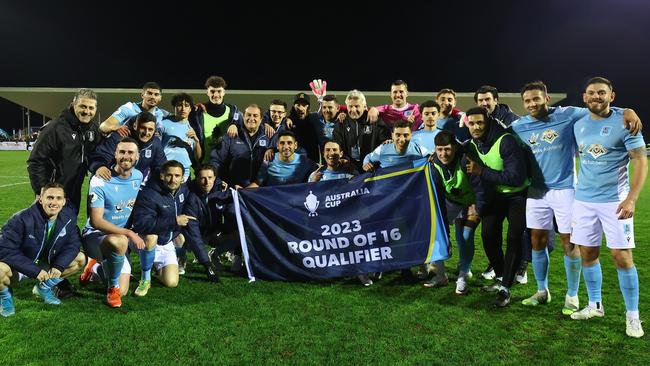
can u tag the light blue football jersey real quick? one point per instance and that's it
(117, 197)
(130, 109)
(278, 172)
(426, 139)
(553, 148)
(386, 155)
(603, 146)
(173, 131)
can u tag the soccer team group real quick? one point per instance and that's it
(491, 165)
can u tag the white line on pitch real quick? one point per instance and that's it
(12, 184)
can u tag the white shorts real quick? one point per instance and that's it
(591, 219)
(165, 256)
(540, 211)
(91, 244)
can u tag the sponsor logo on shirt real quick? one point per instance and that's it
(550, 135)
(596, 150)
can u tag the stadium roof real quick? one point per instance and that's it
(50, 101)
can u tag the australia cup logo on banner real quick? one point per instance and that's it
(311, 204)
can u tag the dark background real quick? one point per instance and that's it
(364, 45)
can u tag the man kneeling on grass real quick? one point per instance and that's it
(41, 242)
(156, 217)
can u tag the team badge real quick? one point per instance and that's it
(408, 113)
(549, 136)
(605, 131)
(367, 129)
(533, 138)
(596, 150)
(262, 142)
(62, 233)
(147, 153)
(74, 136)
(181, 197)
(91, 136)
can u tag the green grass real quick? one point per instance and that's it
(334, 322)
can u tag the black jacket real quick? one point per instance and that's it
(61, 154)
(209, 210)
(503, 114)
(238, 159)
(367, 135)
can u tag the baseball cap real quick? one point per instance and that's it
(301, 98)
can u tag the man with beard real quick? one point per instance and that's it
(151, 156)
(548, 134)
(305, 126)
(40, 242)
(400, 109)
(287, 167)
(105, 237)
(157, 217)
(61, 152)
(497, 159)
(605, 199)
(151, 97)
(356, 136)
(402, 149)
(334, 168)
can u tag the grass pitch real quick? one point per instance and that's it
(333, 322)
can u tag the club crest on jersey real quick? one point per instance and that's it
(367, 129)
(181, 197)
(549, 136)
(74, 136)
(147, 153)
(533, 138)
(262, 142)
(596, 150)
(605, 131)
(91, 136)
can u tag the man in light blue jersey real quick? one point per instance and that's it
(548, 133)
(151, 97)
(605, 199)
(287, 167)
(105, 237)
(179, 140)
(402, 149)
(430, 114)
(451, 117)
(334, 168)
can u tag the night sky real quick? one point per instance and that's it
(283, 45)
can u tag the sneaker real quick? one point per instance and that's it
(503, 298)
(182, 262)
(365, 280)
(47, 294)
(495, 287)
(462, 287)
(64, 289)
(571, 305)
(588, 312)
(522, 276)
(489, 273)
(87, 273)
(633, 327)
(143, 288)
(7, 308)
(437, 281)
(540, 297)
(423, 271)
(113, 297)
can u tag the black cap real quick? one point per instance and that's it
(301, 98)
